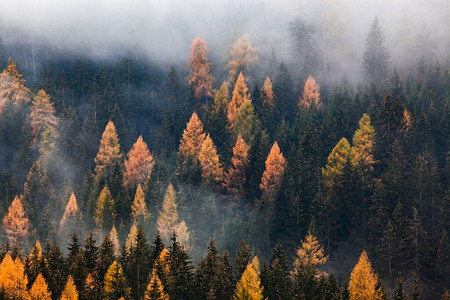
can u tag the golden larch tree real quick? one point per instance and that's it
(249, 286)
(105, 211)
(235, 178)
(222, 98)
(89, 287)
(155, 288)
(139, 212)
(310, 254)
(138, 165)
(13, 280)
(168, 216)
(272, 176)
(114, 284)
(71, 211)
(115, 240)
(267, 95)
(192, 141)
(70, 290)
(406, 121)
(336, 162)
(311, 94)
(12, 89)
(15, 223)
(109, 151)
(42, 114)
(183, 234)
(363, 281)
(39, 290)
(363, 143)
(243, 54)
(131, 238)
(237, 101)
(200, 78)
(212, 171)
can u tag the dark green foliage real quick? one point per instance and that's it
(180, 271)
(276, 277)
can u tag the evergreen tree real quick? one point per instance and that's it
(277, 278)
(376, 57)
(207, 273)
(56, 269)
(180, 271)
(106, 256)
(242, 259)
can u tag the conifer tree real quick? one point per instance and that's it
(376, 57)
(109, 152)
(277, 280)
(399, 290)
(131, 238)
(90, 252)
(13, 281)
(336, 162)
(138, 165)
(56, 274)
(200, 78)
(139, 212)
(212, 172)
(70, 291)
(267, 102)
(168, 216)
(273, 174)
(207, 273)
(180, 271)
(34, 263)
(243, 54)
(249, 286)
(243, 256)
(246, 122)
(71, 220)
(115, 285)
(42, 114)
(106, 257)
(155, 288)
(363, 281)
(15, 223)
(311, 94)
(235, 178)
(90, 288)
(115, 240)
(12, 87)
(240, 95)
(363, 144)
(39, 290)
(105, 211)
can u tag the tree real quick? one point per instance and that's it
(168, 216)
(275, 164)
(376, 56)
(276, 279)
(114, 284)
(155, 288)
(311, 94)
(249, 286)
(243, 256)
(115, 240)
(237, 101)
(139, 212)
(235, 178)
(105, 211)
(363, 144)
(399, 291)
(34, 263)
(70, 291)
(90, 288)
(131, 238)
(42, 114)
(212, 172)
(246, 123)
(363, 281)
(200, 78)
(13, 281)
(207, 273)
(267, 102)
(106, 257)
(336, 162)
(243, 54)
(71, 220)
(138, 165)
(12, 90)
(109, 152)
(39, 290)
(15, 223)
(180, 271)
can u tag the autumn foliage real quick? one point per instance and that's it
(212, 172)
(240, 95)
(15, 223)
(139, 163)
(273, 174)
(200, 77)
(109, 151)
(235, 178)
(311, 94)
(363, 281)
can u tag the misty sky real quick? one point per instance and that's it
(163, 30)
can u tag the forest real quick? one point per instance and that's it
(232, 174)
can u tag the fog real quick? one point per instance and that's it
(163, 30)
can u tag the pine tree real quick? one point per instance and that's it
(399, 292)
(376, 57)
(277, 279)
(311, 94)
(246, 122)
(336, 162)
(15, 223)
(106, 257)
(200, 78)
(168, 216)
(249, 286)
(273, 174)
(267, 102)
(105, 211)
(363, 281)
(34, 263)
(70, 291)
(56, 273)
(90, 288)
(235, 179)
(114, 285)
(243, 256)
(13, 281)
(155, 288)
(242, 56)
(180, 271)
(207, 273)
(237, 101)
(212, 172)
(138, 165)
(139, 212)
(90, 252)
(71, 220)
(39, 290)
(109, 152)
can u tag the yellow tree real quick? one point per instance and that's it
(131, 238)
(363, 143)
(311, 94)
(138, 165)
(267, 95)
(115, 240)
(191, 144)
(200, 77)
(13, 281)
(71, 220)
(12, 89)
(105, 211)
(249, 286)
(70, 291)
(114, 284)
(243, 54)
(212, 172)
(363, 281)
(139, 212)
(109, 151)
(39, 290)
(42, 114)
(240, 95)
(155, 288)
(310, 254)
(15, 223)
(275, 164)
(235, 179)
(336, 162)
(168, 216)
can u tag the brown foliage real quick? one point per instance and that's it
(192, 140)
(239, 97)
(242, 55)
(15, 223)
(200, 77)
(311, 94)
(139, 163)
(272, 176)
